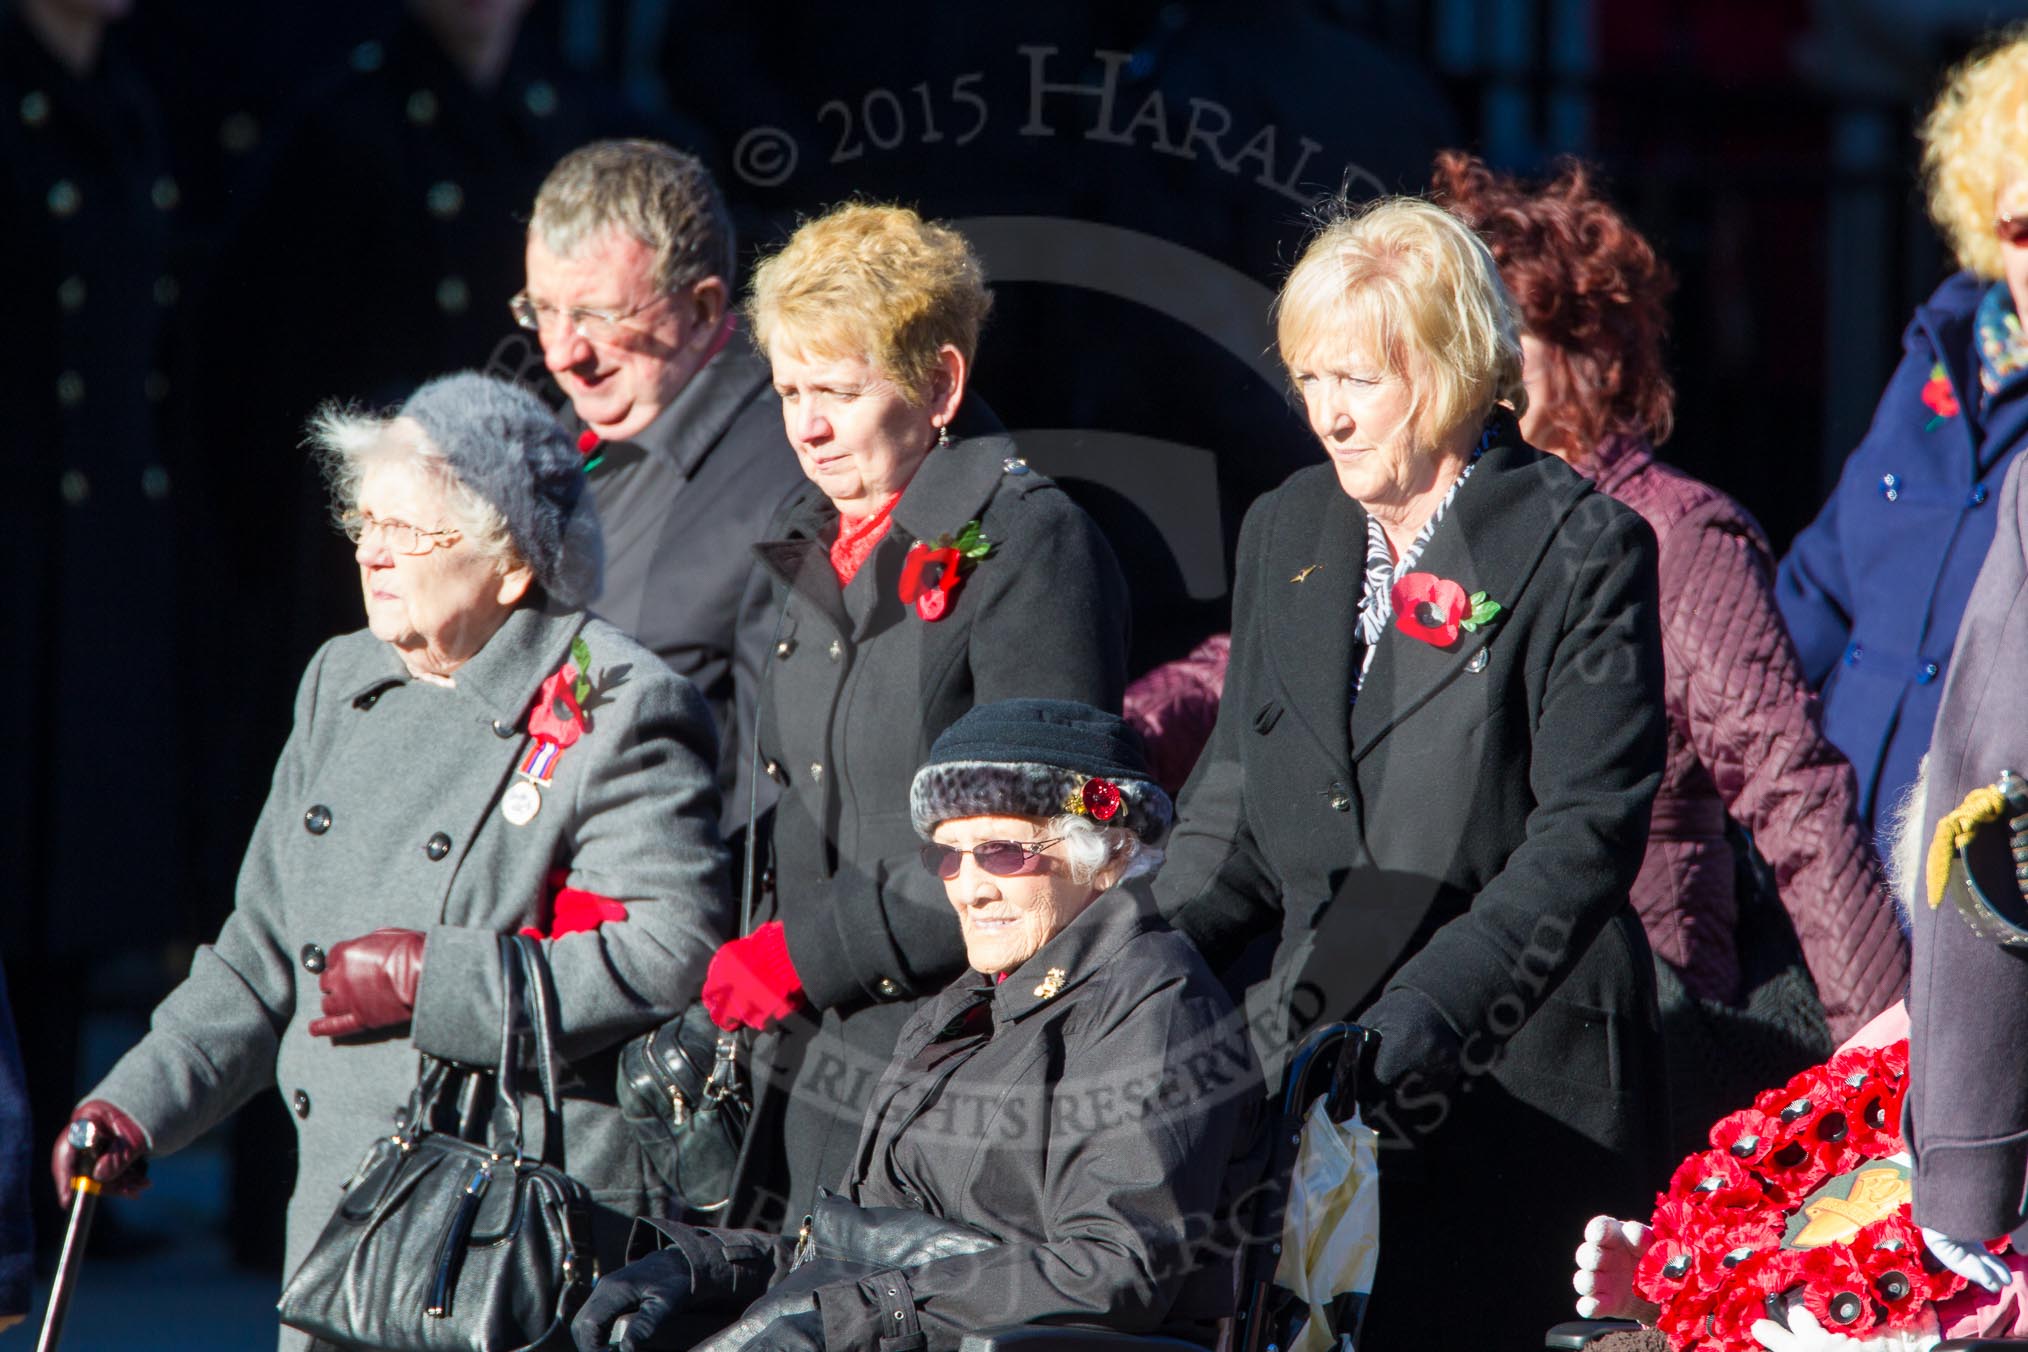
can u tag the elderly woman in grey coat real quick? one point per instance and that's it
(1063, 1135)
(484, 756)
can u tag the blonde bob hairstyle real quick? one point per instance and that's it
(1974, 141)
(876, 282)
(1404, 282)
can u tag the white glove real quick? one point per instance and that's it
(1805, 1334)
(1970, 1261)
(1604, 1280)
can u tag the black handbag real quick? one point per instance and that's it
(445, 1244)
(686, 1088)
(684, 1091)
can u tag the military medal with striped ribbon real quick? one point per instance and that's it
(555, 723)
(524, 799)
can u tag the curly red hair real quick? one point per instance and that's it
(1586, 282)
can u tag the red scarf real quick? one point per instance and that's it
(856, 540)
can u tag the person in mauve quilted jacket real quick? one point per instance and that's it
(1745, 739)
(1743, 725)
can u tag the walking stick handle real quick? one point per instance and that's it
(87, 1140)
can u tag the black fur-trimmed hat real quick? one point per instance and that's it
(1040, 758)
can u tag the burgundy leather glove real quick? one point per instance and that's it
(751, 982)
(369, 983)
(122, 1165)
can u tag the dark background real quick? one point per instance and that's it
(1137, 175)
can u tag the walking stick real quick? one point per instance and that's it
(87, 1138)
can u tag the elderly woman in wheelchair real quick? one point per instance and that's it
(1061, 1137)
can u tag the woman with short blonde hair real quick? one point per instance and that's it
(1440, 733)
(919, 573)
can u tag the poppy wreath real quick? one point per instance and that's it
(932, 571)
(1803, 1194)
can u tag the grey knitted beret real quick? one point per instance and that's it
(505, 445)
(1034, 758)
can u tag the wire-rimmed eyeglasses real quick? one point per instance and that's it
(585, 322)
(401, 537)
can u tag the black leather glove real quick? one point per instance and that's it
(647, 1294)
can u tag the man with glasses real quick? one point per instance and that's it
(630, 280)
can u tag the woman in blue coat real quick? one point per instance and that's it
(1873, 590)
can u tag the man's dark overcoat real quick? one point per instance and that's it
(681, 506)
(1451, 862)
(857, 685)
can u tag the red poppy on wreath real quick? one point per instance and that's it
(1939, 397)
(1434, 608)
(1837, 1291)
(1747, 1135)
(950, 558)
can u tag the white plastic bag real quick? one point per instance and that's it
(1331, 1233)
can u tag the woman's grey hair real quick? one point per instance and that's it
(1904, 830)
(661, 196)
(1089, 846)
(512, 482)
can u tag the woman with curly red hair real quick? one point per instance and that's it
(1745, 739)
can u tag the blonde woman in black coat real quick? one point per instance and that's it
(916, 575)
(1430, 778)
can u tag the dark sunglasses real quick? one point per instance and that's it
(2012, 229)
(1001, 858)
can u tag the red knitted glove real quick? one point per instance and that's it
(122, 1165)
(369, 983)
(751, 982)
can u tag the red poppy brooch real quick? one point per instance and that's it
(932, 571)
(559, 714)
(1434, 609)
(1940, 398)
(1096, 798)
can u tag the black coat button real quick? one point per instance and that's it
(367, 700)
(317, 820)
(1341, 798)
(438, 846)
(313, 959)
(502, 729)
(300, 1101)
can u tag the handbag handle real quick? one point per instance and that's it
(525, 993)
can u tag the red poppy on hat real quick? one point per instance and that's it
(1101, 798)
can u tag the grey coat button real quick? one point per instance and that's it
(437, 846)
(888, 987)
(300, 1101)
(836, 650)
(313, 959)
(317, 820)
(502, 729)
(817, 771)
(785, 647)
